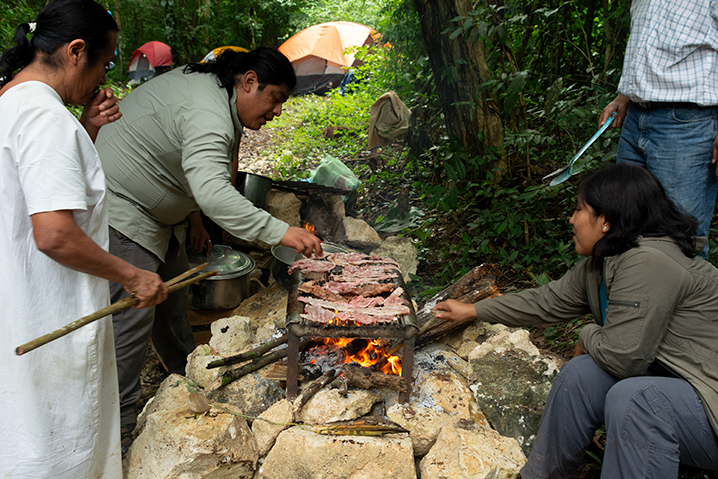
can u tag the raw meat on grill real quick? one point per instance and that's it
(316, 313)
(358, 259)
(362, 302)
(311, 287)
(311, 265)
(395, 310)
(359, 288)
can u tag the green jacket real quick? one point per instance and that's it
(170, 155)
(661, 306)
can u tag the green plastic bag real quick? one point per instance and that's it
(332, 172)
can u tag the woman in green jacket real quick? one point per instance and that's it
(648, 368)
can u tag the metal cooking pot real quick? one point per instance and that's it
(285, 256)
(254, 187)
(229, 287)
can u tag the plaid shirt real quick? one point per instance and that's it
(672, 52)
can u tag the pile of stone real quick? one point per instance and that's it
(474, 410)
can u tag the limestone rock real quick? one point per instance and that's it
(252, 394)
(231, 335)
(423, 424)
(171, 395)
(197, 362)
(358, 234)
(302, 454)
(179, 444)
(448, 391)
(478, 452)
(329, 406)
(466, 348)
(285, 206)
(267, 307)
(403, 251)
(511, 381)
(265, 433)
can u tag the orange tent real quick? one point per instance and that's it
(318, 54)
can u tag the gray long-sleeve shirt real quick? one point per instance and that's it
(170, 155)
(662, 306)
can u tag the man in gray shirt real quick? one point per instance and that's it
(170, 156)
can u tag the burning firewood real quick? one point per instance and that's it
(364, 378)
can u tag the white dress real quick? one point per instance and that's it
(59, 406)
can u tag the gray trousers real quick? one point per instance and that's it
(653, 423)
(166, 324)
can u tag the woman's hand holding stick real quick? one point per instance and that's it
(172, 285)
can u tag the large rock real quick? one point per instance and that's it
(423, 423)
(328, 406)
(231, 335)
(197, 362)
(440, 384)
(475, 452)
(180, 444)
(511, 381)
(403, 251)
(270, 423)
(285, 206)
(251, 394)
(358, 234)
(172, 395)
(267, 307)
(302, 454)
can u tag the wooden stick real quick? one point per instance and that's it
(113, 308)
(254, 365)
(247, 355)
(313, 388)
(186, 274)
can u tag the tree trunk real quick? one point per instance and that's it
(459, 67)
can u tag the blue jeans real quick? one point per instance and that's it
(676, 145)
(653, 423)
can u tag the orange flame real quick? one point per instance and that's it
(369, 356)
(309, 228)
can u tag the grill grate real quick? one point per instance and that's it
(404, 328)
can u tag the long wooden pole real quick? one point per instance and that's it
(172, 286)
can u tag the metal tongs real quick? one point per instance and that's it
(565, 172)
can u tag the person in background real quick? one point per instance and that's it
(166, 159)
(647, 367)
(667, 101)
(60, 411)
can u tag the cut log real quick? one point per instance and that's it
(365, 378)
(313, 388)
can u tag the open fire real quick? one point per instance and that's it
(372, 352)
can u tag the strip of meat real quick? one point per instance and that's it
(311, 265)
(358, 259)
(396, 310)
(362, 302)
(395, 297)
(311, 287)
(317, 314)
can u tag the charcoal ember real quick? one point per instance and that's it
(311, 371)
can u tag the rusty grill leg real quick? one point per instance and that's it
(292, 364)
(407, 365)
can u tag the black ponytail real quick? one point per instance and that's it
(270, 65)
(57, 24)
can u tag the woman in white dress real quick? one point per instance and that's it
(60, 412)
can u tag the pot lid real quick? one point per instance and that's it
(227, 262)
